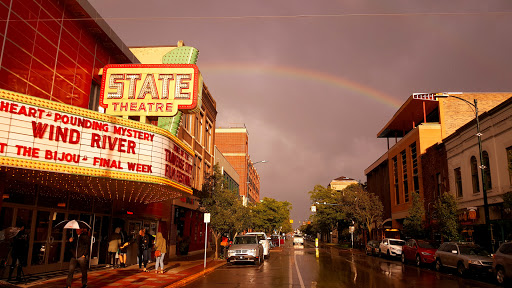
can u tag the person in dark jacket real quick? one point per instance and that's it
(19, 252)
(144, 242)
(79, 248)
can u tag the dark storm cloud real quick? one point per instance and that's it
(309, 130)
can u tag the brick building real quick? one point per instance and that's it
(234, 145)
(420, 124)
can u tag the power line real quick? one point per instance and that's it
(282, 16)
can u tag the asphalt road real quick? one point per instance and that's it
(332, 267)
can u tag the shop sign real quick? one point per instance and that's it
(44, 135)
(150, 89)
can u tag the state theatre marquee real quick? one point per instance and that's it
(44, 135)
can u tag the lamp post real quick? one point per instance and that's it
(249, 178)
(482, 166)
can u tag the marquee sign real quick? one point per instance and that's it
(45, 135)
(150, 89)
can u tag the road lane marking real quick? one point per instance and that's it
(298, 271)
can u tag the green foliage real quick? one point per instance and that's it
(446, 212)
(327, 216)
(364, 208)
(224, 205)
(271, 215)
(413, 224)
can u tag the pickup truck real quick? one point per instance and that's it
(298, 239)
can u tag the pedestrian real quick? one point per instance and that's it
(79, 248)
(160, 250)
(123, 249)
(144, 243)
(224, 246)
(19, 252)
(113, 247)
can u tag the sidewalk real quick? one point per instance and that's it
(178, 272)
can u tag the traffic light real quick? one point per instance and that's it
(291, 221)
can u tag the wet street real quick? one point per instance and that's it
(332, 267)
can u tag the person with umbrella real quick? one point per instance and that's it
(79, 248)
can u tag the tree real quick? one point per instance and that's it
(327, 216)
(270, 215)
(413, 224)
(446, 212)
(363, 207)
(224, 205)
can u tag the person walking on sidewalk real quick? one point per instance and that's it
(144, 243)
(79, 249)
(113, 247)
(160, 250)
(19, 252)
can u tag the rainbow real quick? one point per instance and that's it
(299, 73)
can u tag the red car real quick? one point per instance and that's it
(419, 251)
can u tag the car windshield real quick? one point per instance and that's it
(297, 236)
(425, 245)
(396, 242)
(245, 240)
(473, 250)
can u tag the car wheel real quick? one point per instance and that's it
(461, 270)
(403, 258)
(418, 260)
(500, 276)
(439, 265)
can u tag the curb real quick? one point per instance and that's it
(191, 278)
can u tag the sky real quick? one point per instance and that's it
(315, 81)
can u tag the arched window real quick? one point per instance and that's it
(487, 171)
(474, 175)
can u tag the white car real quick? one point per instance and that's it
(391, 247)
(263, 241)
(298, 239)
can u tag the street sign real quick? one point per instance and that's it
(351, 229)
(425, 96)
(313, 208)
(206, 217)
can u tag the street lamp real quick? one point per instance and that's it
(482, 166)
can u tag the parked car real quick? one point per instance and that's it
(502, 263)
(298, 239)
(463, 257)
(391, 247)
(372, 247)
(419, 251)
(264, 240)
(246, 248)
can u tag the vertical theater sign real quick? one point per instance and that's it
(93, 148)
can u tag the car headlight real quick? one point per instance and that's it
(251, 252)
(475, 262)
(231, 252)
(425, 253)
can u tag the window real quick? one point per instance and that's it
(474, 175)
(186, 125)
(196, 127)
(208, 137)
(404, 172)
(438, 186)
(395, 173)
(94, 97)
(458, 181)
(509, 161)
(414, 157)
(487, 171)
(201, 140)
